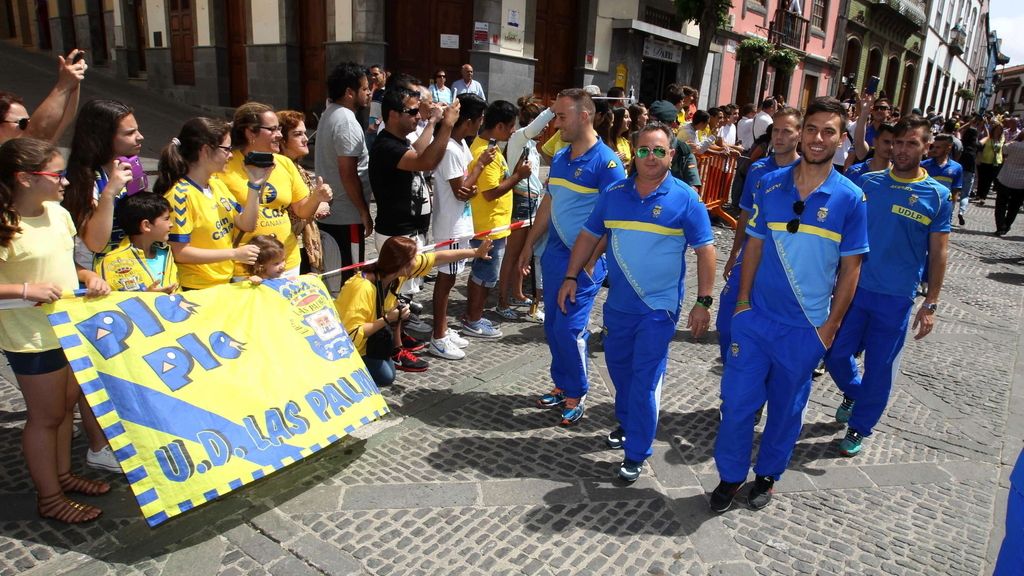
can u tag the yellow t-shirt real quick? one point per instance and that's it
(44, 251)
(622, 147)
(126, 270)
(203, 219)
(490, 214)
(357, 301)
(284, 188)
(554, 144)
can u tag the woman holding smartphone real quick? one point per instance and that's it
(256, 136)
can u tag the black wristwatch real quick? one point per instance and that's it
(931, 307)
(705, 301)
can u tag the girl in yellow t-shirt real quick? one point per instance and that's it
(255, 128)
(376, 287)
(37, 265)
(204, 214)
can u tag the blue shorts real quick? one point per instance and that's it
(36, 363)
(485, 272)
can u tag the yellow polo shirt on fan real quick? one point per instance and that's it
(284, 188)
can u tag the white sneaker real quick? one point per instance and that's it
(456, 339)
(445, 348)
(103, 460)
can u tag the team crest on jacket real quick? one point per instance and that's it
(913, 198)
(656, 211)
(578, 172)
(735, 349)
(822, 214)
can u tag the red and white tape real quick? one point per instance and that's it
(435, 246)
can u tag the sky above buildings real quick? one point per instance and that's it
(1006, 18)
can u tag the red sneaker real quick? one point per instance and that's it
(406, 361)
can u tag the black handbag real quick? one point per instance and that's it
(381, 344)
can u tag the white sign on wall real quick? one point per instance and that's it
(662, 50)
(450, 41)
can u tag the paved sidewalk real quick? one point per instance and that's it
(467, 477)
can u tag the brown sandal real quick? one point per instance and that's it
(73, 483)
(63, 509)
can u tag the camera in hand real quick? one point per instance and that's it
(259, 159)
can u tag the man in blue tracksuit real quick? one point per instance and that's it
(579, 173)
(785, 137)
(908, 227)
(649, 219)
(1010, 561)
(806, 236)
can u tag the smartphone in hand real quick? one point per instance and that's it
(872, 87)
(139, 181)
(259, 159)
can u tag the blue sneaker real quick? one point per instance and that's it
(572, 414)
(616, 438)
(845, 410)
(630, 470)
(552, 399)
(482, 328)
(850, 446)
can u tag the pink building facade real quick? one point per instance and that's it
(807, 27)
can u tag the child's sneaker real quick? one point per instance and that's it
(445, 348)
(408, 362)
(482, 328)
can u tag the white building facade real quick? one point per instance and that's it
(951, 46)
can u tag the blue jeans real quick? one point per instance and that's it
(381, 370)
(965, 192)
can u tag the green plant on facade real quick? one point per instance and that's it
(753, 50)
(965, 94)
(710, 16)
(784, 59)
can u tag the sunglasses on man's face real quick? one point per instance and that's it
(643, 151)
(412, 111)
(22, 123)
(793, 225)
(881, 108)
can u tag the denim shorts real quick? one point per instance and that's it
(521, 207)
(36, 363)
(485, 272)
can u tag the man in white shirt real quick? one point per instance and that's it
(467, 84)
(764, 118)
(745, 126)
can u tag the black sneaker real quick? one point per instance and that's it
(408, 362)
(960, 218)
(722, 496)
(412, 344)
(616, 438)
(417, 326)
(761, 493)
(630, 470)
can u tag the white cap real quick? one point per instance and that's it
(592, 89)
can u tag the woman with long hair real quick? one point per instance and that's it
(37, 256)
(255, 128)
(295, 146)
(526, 196)
(105, 131)
(204, 212)
(619, 136)
(990, 160)
(368, 302)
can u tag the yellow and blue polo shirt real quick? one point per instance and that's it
(902, 215)
(797, 274)
(647, 240)
(203, 219)
(950, 174)
(757, 171)
(574, 185)
(127, 269)
(857, 172)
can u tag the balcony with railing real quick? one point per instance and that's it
(913, 11)
(789, 29)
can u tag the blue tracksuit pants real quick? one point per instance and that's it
(1010, 561)
(636, 351)
(877, 324)
(726, 307)
(566, 333)
(768, 361)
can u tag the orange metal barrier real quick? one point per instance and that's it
(716, 174)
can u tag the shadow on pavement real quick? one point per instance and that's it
(1013, 278)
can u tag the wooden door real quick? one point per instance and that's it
(139, 10)
(238, 79)
(312, 72)
(810, 91)
(556, 29)
(414, 33)
(43, 23)
(182, 41)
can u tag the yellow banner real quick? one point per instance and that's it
(202, 392)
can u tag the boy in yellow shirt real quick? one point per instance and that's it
(143, 260)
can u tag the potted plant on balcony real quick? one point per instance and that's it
(784, 59)
(753, 50)
(965, 94)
